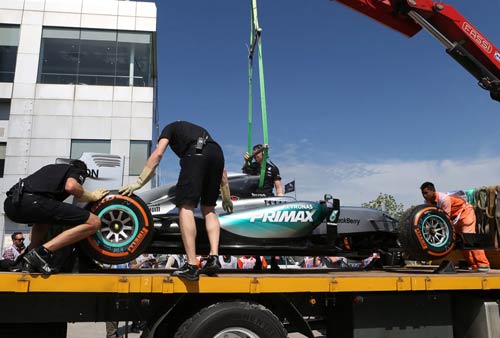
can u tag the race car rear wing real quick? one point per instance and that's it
(104, 171)
(462, 40)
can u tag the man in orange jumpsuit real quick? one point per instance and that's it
(462, 216)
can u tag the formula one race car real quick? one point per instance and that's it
(277, 225)
(149, 222)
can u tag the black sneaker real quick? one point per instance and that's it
(26, 267)
(37, 260)
(16, 267)
(187, 271)
(212, 266)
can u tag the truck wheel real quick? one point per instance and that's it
(426, 233)
(126, 229)
(232, 319)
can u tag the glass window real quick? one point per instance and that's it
(78, 147)
(4, 110)
(95, 57)
(59, 56)
(9, 40)
(133, 64)
(139, 153)
(3, 147)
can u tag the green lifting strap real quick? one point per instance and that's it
(250, 85)
(255, 33)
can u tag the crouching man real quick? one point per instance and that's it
(38, 200)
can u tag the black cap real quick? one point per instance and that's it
(79, 164)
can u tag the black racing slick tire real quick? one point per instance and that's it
(426, 233)
(126, 229)
(232, 319)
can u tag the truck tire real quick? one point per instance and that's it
(232, 319)
(126, 229)
(426, 233)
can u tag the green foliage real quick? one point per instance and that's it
(386, 203)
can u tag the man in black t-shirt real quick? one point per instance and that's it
(272, 178)
(38, 200)
(202, 174)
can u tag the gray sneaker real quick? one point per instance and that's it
(187, 271)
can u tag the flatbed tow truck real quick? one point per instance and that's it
(407, 302)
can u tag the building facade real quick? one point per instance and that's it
(75, 76)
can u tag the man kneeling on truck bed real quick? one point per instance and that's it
(463, 218)
(38, 200)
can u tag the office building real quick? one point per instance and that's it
(75, 76)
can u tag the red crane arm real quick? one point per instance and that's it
(464, 42)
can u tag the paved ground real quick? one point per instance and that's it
(98, 330)
(95, 330)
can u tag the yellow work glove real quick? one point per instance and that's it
(144, 177)
(227, 204)
(96, 195)
(246, 156)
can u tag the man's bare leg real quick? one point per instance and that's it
(212, 225)
(188, 232)
(38, 234)
(74, 234)
(39, 258)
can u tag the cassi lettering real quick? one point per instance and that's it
(285, 216)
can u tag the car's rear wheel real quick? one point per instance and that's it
(426, 233)
(126, 229)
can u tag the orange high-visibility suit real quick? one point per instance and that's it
(463, 217)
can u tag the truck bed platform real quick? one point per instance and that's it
(316, 281)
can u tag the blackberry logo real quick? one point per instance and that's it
(348, 220)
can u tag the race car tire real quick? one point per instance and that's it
(232, 318)
(126, 229)
(426, 233)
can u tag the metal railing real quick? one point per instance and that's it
(93, 79)
(6, 76)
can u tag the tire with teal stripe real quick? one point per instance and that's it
(426, 233)
(126, 229)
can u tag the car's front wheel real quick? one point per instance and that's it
(126, 229)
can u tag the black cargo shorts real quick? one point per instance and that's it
(37, 209)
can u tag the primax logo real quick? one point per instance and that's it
(497, 56)
(285, 216)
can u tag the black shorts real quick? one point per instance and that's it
(200, 177)
(36, 209)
